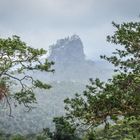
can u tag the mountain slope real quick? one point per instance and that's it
(71, 64)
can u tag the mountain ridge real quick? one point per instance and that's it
(70, 61)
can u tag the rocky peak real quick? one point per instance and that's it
(70, 62)
(67, 50)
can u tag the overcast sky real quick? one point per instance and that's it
(41, 22)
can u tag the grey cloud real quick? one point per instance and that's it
(41, 22)
(66, 13)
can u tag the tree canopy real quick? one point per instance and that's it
(105, 110)
(17, 59)
(117, 98)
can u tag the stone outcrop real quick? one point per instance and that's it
(70, 62)
(67, 50)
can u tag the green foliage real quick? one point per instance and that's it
(117, 97)
(64, 130)
(127, 129)
(39, 84)
(18, 137)
(42, 138)
(16, 60)
(24, 137)
(127, 58)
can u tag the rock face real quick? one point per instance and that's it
(67, 50)
(70, 62)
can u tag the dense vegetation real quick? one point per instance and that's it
(49, 105)
(106, 104)
(18, 58)
(106, 110)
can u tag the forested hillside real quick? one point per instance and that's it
(31, 98)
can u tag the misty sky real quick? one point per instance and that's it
(41, 22)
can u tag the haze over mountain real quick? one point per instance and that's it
(72, 72)
(71, 63)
